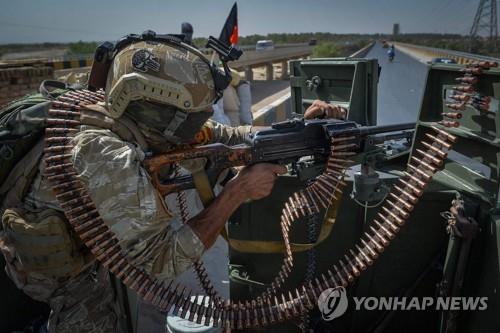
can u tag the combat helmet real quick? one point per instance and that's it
(163, 78)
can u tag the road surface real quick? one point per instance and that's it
(400, 87)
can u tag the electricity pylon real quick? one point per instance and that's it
(485, 21)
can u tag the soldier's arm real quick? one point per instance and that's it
(129, 205)
(216, 132)
(213, 132)
(251, 183)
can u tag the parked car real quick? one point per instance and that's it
(443, 61)
(313, 41)
(264, 45)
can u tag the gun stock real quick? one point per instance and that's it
(217, 157)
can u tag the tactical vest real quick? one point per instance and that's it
(40, 243)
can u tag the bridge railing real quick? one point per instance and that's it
(363, 51)
(250, 58)
(433, 52)
(255, 58)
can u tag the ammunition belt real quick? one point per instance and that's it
(272, 306)
(199, 268)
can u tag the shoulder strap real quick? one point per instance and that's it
(58, 87)
(257, 246)
(21, 146)
(20, 178)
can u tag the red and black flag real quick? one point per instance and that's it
(229, 33)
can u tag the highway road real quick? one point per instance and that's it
(256, 58)
(400, 87)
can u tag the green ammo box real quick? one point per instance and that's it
(473, 164)
(349, 82)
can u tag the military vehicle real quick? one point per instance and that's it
(448, 247)
(411, 219)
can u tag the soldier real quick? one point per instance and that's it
(163, 91)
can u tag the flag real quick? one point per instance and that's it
(229, 33)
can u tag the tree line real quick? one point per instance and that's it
(327, 44)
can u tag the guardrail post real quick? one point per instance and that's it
(248, 73)
(284, 70)
(269, 71)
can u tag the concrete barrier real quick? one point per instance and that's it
(361, 53)
(19, 81)
(260, 58)
(58, 64)
(279, 110)
(249, 58)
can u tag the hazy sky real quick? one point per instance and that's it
(68, 20)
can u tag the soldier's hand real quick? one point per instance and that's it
(320, 109)
(257, 181)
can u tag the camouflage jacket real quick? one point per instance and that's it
(112, 171)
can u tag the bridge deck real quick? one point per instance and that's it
(400, 87)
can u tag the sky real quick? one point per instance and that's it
(28, 21)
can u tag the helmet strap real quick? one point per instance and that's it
(179, 118)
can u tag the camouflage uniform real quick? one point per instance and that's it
(152, 85)
(111, 170)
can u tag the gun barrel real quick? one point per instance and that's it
(370, 130)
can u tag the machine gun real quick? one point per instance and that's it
(284, 143)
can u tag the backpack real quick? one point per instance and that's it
(22, 124)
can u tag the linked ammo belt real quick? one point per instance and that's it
(273, 305)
